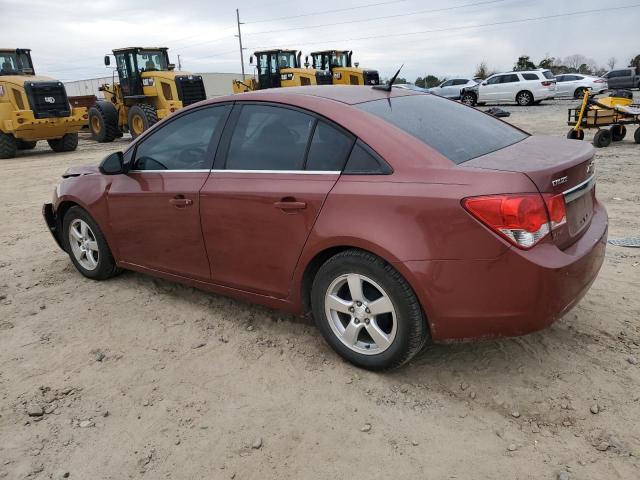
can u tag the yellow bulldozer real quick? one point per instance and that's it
(280, 68)
(338, 62)
(34, 107)
(148, 89)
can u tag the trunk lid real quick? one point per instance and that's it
(557, 166)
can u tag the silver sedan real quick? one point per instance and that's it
(451, 88)
(574, 85)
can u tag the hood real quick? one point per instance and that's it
(167, 75)
(81, 170)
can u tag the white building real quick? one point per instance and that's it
(215, 84)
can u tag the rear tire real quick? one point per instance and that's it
(636, 135)
(101, 264)
(602, 138)
(103, 122)
(524, 98)
(618, 132)
(398, 332)
(579, 93)
(8, 145)
(24, 145)
(141, 118)
(575, 134)
(68, 143)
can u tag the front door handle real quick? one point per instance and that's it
(180, 202)
(290, 204)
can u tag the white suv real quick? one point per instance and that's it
(524, 88)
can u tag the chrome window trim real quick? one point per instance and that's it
(580, 189)
(288, 172)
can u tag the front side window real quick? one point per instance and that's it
(183, 143)
(269, 138)
(263, 64)
(448, 83)
(494, 80)
(438, 123)
(460, 81)
(121, 65)
(329, 148)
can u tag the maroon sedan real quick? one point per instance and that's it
(393, 217)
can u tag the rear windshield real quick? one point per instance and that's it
(458, 132)
(548, 74)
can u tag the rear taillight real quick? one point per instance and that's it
(522, 219)
(548, 84)
(599, 81)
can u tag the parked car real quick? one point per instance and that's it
(367, 208)
(410, 86)
(524, 88)
(452, 88)
(574, 85)
(623, 78)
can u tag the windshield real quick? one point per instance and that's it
(320, 61)
(339, 59)
(151, 60)
(324, 61)
(458, 132)
(286, 60)
(14, 63)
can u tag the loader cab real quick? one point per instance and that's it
(272, 66)
(131, 63)
(16, 62)
(330, 59)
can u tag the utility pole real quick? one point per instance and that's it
(179, 63)
(240, 41)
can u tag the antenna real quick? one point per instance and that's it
(387, 87)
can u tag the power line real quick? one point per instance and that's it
(328, 11)
(420, 12)
(507, 22)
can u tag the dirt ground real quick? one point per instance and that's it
(141, 378)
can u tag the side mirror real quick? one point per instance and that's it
(107, 60)
(251, 60)
(171, 67)
(484, 83)
(112, 164)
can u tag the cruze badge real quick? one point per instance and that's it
(559, 181)
(50, 99)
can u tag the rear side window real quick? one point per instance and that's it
(329, 149)
(364, 161)
(530, 76)
(269, 138)
(458, 132)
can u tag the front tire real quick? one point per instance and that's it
(141, 118)
(524, 98)
(8, 145)
(575, 134)
(618, 132)
(86, 245)
(68, 143)
(469, 99)
(367, 311)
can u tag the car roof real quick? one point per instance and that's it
(348, 94)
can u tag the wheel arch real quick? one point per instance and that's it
(320, 256)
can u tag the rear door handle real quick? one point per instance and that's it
(285, 204)
(180, 202)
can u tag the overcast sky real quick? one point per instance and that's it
(69, 38)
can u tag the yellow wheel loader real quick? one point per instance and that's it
(148, 89)
(281, 68)
(338, 62)
(33, 107)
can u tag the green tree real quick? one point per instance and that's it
(635, 62)
(547, 63)
(482, 71)
(524, 63)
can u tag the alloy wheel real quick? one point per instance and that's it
(361, 314)
(83, 244)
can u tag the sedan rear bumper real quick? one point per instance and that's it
(52, 222)
(515, 294)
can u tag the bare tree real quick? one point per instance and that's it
(482, 71)
(611, 63)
